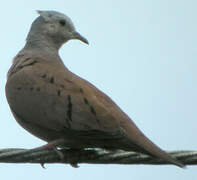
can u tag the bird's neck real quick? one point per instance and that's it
(41, 48)
(40, 42)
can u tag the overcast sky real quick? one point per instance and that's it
(141, 53)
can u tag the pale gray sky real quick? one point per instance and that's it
(141, 53)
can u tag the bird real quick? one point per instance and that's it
(61, 108)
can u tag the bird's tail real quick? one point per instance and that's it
(136, 137)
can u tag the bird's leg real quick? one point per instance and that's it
(53, 145)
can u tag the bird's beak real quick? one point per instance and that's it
(76, 35)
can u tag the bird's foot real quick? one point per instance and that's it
(42, 165)
(53, 145)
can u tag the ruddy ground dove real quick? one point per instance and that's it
(60, 107)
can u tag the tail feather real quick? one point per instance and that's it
(137, 137)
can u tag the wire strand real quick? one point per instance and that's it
(90, 156)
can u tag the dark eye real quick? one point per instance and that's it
(62, 22)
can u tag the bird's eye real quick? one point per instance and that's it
(62, 22)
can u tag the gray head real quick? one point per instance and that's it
(53, 27)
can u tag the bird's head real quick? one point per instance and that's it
(54, 26)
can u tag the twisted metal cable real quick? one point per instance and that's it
(90, 156)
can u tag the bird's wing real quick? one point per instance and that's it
(49, 96)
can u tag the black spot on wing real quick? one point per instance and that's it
(94, 113)
(92, 110)
(69, 108)
(86, 101)
(59, 93)
(52, 80)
